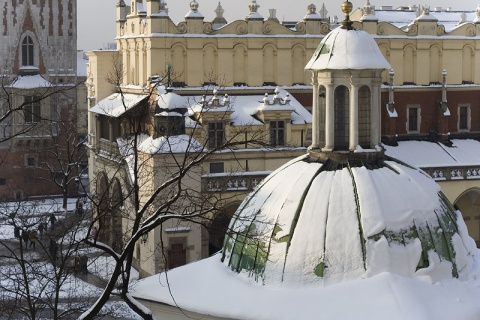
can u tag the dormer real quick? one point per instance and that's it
(276, 109)
(170, 113)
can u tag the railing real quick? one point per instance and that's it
(454, 173)
(233, 182)
(108, 147)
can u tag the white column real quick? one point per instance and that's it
(329, 119)
(353, 127)
(375, 124)
(315, 113)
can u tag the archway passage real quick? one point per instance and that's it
(218, 228)
(469, 205)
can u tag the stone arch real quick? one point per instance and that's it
(409, 64)
(468, 64)
(239, 64)
(179, 63)
(269, 64)
(298, 64)
(469, 205)
(210, 70)
(341, 128)
(364, 109)
(435, 64)
(116, 206)
(218, 227)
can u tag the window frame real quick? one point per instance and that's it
(28, 51)
(417, 120)
(32, 110)
(277, 133)
(216, 134)
(468, 118)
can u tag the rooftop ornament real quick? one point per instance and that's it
(219, 11)
(253, 6)
(163, 6)
(347, 7)
(477, 11)
(194, 6)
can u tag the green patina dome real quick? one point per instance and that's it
(315, 221)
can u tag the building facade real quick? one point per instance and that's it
(251, 56)
(38, 66)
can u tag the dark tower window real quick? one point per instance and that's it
(322, 104)
(463, 118)
(27, 51)
(31, 109)
(413, 120)
(341, 106)
(364, 103)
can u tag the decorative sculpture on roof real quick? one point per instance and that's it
(194, 6)
(253, 6)
(312, 8)
(163, 6)
(368, 8)
(323, 12)
(219, 11)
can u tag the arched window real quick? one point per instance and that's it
(341, 107)
(322, 105)
(364, 102)
(27, 51)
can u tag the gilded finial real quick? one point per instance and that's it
(347, 7)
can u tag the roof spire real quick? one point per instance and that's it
(347, 8)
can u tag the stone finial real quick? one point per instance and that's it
(121, 3)
(426, 10)
(253, 6)
(477, 11)
(219, 11)
(163, 6)
(312, 8)
(463, 18)
(323, 12)
(368, 9)
(418, 12)
(273, 15)
(194, 6)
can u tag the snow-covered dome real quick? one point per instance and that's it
(322, 221)
(344, 49)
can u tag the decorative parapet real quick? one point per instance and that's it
(233, 182)
(453, 173)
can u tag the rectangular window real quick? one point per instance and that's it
(216, 134)
(217, 167)
(463, 118)
(277, 133)
(31, 161)
(31, 109)
(413, 119)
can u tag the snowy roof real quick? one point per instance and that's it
(423, 154)
(30, 82)
(117, 104)
(345, 49)
(449, 19)
(243, 108)
(314, 240)
(171, 101)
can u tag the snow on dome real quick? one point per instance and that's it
(321, 223)
(347, 49)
